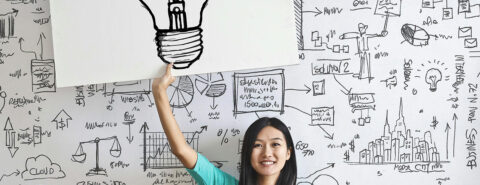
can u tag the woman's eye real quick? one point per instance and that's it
(276, 144)
(257, 145)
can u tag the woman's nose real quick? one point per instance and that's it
(267, 151)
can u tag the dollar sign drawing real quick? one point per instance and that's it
(3, 95)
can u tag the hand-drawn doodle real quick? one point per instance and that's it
(389, 82)
(129, 91)
(468, 9)
(16, 173)
(470, 135)
(399, 147)
(447, 130)
(388, 8)
(223, 133)
(129, 119)
(23, 1)
(465, 32)
(359, 102)
(61, 119)
(213, 84)
(7, 24)
(415, 35)
(434, 122)
(320, 116)
(298, 7)
(432, 77)
(157, 153)
(318, 87)
(10, 137)
(474, 54)
(259, 91)
(319, 178)
(471, 43)
(181, 93)
(304, 148)
(180, 41)
(42, 70)
(35, 136)
(434, 74)
(42, 167)
(363, 49)
(80, 155)
(3, 97)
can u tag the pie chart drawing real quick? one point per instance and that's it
(415, 35)
(181, 92)
(211, 85)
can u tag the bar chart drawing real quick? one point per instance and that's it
(7, 24)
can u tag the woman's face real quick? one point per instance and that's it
(269, 152)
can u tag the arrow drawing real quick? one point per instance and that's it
(144, 130)
(20, 41)
(40, 41)
(130, 137)
(447, 130)
(62, 119)
(308, 89)
(328, 135)
(345, 90)
(16, 173)
(310, 179)
(213, 106)
(316, 11)
(455, 118)
(129, 120)
(8, 129)
(298, 110)
(10, 137)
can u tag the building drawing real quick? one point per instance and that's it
(398, 146)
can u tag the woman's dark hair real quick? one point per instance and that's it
(248, 175)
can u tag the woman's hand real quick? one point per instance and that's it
(161, 84)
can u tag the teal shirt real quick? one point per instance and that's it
(205, 173)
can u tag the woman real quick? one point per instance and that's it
(268, 156)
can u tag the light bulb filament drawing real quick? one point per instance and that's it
(180, 41)
(80, 155)
(432, 77)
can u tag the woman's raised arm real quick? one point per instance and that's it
(177, 141)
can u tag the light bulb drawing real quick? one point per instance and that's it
(80, 156)
(432, 77)
(179, 36)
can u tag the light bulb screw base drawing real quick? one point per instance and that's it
(180, 47)
(180, 41)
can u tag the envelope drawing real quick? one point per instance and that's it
(471, 43)
(474, 11)
(464, 32)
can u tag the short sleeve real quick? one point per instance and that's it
(205, 173)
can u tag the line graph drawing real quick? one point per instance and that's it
(319, 178)
(157, 152)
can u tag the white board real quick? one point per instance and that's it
(350, 125)
(111, 40)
